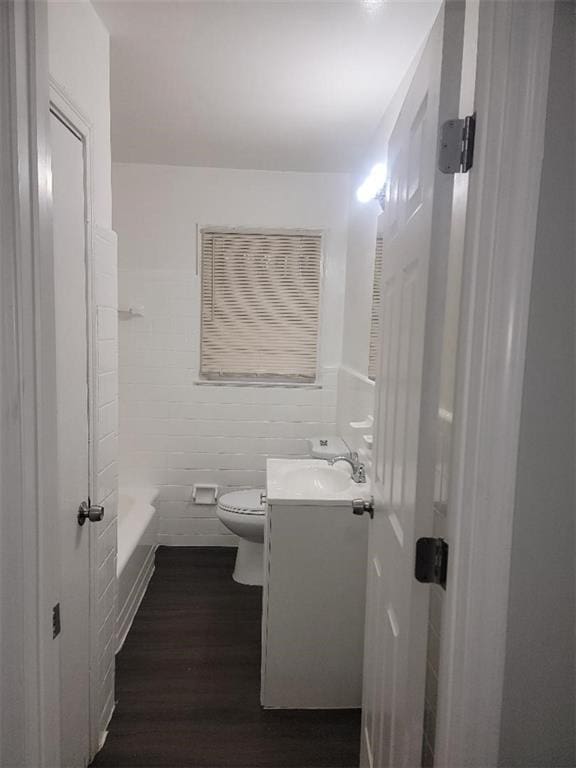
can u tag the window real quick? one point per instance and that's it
(260, 305)
(375, 322)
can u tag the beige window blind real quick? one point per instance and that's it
(375, 321)
(260, 305)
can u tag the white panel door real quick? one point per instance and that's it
(416, 234)
(72, 441)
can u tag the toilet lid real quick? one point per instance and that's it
(243, 502)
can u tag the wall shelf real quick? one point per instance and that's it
(126, 313)
(365, 424)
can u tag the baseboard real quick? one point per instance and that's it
(107, 717)
(128, 611)
(197, 540)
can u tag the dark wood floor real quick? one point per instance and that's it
(188, 680)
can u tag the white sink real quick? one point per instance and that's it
(311, 481)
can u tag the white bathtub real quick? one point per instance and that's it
(137, 542)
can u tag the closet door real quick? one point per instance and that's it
(69, 226)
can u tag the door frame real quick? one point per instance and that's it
(64, 107)
(514, 46)
(513, 63)
(28, 467)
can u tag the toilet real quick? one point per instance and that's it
(244, 513)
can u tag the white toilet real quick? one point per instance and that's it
(244, 512)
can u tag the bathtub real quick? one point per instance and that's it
(137, 541)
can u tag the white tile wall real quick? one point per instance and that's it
(106, 482)
(355, 403)
(175, 432)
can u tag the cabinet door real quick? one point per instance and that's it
(314, 607)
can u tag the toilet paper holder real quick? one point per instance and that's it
(204, 493)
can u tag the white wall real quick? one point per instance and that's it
(79, 55)
(538, 707)
(175, 433)
(80, 61)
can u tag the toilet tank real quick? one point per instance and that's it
(327, 447)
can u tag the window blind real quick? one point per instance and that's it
(260, 305)
(375, 321)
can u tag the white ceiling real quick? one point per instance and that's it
(295, 85)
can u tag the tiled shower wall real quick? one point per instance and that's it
(355, 404)
(174, 431)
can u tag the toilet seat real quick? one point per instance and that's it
(243, 502)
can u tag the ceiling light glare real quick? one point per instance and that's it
(374, 182)
(373, 6)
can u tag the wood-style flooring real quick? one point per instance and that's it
(188, 681)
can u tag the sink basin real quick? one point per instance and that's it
(312, 479)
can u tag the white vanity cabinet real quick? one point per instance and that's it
(314, 596)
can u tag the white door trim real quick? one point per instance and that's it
(511, 92)
(68, 111)
(28, 464)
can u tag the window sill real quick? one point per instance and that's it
(258, 384)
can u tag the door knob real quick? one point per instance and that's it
(359, 506)
(91, 512)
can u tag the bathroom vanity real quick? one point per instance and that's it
(315, 553)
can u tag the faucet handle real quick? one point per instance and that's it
(354, 455)
(359, 506)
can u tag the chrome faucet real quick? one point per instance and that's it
(358, 469)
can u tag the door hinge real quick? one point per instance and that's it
(56, 626)
(431, 561)
(456, 153)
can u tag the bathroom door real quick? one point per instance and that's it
(69, 228)
(416, 238)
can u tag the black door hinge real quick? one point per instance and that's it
(56, 626)
(456, 152)
(431, 561)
